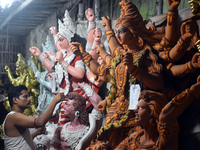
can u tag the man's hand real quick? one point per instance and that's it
(40, 130)
(59, 97)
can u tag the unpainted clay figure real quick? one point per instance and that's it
(158, 119)
(131, 61)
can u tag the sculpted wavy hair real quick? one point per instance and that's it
(79, 105)
(155, 101)
(131, 19)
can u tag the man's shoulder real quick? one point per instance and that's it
(15, 119)
(14, 115)
(11, 114)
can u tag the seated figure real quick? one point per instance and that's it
(82, 128)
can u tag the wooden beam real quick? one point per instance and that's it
(51, 2)
(18, 24)
(18, 33)
(5, 36)
(32, 12)
(74, 5)
(16, 11)
(42, 5)
(34, 18)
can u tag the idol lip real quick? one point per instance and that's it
(119, 40)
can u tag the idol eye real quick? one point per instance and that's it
(67, 104)
(122, 31)
(140, 108)
(60, 39)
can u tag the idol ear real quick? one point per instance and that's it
(152, 121)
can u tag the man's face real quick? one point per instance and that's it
(24, 100)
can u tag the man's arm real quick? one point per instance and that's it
(21, 120)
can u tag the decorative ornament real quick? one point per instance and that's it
(97, 115)
(77, 113)
(61, 73)
(72, 138)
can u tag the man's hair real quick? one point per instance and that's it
(15, 91)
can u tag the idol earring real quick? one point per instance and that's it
(140, 41)
(77, 113)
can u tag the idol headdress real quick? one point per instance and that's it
(67, 28)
